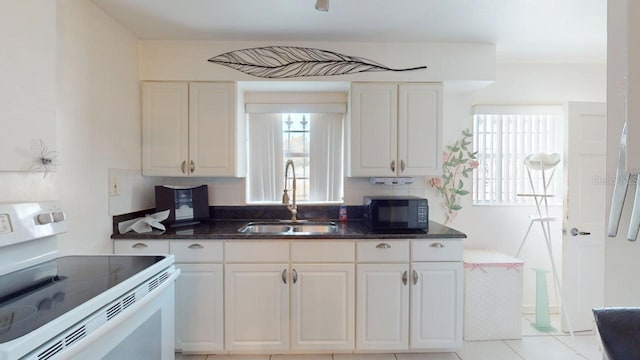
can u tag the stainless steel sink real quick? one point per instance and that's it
(304, 227)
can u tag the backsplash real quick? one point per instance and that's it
(136, 192)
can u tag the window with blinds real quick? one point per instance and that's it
(503, 137)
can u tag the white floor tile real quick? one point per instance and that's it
(364, 357)
(486, 350)
(302, 357)
(180, 356)
(237, 357)
(428, 356)
(586, 345)
(542, 348)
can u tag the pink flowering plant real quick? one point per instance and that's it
(458, 162)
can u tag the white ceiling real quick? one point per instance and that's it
(523, 30)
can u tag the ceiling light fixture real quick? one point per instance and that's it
(322, 5)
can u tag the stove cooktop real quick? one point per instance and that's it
(33, 296)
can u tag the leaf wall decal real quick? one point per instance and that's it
(279, 62)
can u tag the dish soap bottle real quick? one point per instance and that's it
(342, 214)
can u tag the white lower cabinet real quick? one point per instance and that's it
(382, 307)
(436, 305)
(310, 296)
(199, 308)
(257, 307)
(322, 307)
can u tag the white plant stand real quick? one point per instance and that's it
(544, 163)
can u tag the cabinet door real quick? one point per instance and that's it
(419, 129)
(199, 310)
(256, 307)
(382, 305)
(436, 305)
(373, 130)
(212, 131)
(322, 307)
(165, 133)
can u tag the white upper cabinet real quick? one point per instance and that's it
(395, 129)
(189, 129)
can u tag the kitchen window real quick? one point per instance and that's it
(313, 140)
(503, 137)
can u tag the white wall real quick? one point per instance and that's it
(27, 98)
(98, 118)
(500, 227)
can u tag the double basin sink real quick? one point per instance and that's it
(301, 227)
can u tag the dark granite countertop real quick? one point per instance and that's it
(228, 230)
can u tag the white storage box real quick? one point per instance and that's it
(492, 296)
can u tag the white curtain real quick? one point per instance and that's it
(266, 167)
(326, 175)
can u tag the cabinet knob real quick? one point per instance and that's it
(401, 165)
(139, 246)
(192, 166)
(196, 246)
(415, 277)
(436, 245)
(404, 277)
(284, 276)
(295, 276)
(383, 246)
(183, 167)
(393, 165)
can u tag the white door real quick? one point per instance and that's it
(373, 130)
(165, 128)
(436, 305)
(585, 206)
(212, 129)
(419, 129)
(382, 307)
(199, 310)
(256, 307)
(322, 307)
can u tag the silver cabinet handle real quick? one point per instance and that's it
(196, 246)
(393, 165)
(139, 246)
(404, 278)
(401, 165)
(436, 245)
(295, 276)
(183, 167)
(284, 276)
(415, 277)
(192, 166)
(383, 246)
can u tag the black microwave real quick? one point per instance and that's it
(395, 212)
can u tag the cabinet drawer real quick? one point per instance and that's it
(256, 251)
(141, 247)
(383, 251)
(436, 250)
(197, 251)
(323, 251)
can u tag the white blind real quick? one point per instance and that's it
(503, 137)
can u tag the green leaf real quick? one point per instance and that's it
(460, 184)
(450, 148)
(463, 192)
(455, 207)
(464, 173)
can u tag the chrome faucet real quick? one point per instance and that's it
(285, 197)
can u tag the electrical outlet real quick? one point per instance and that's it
(114, 186)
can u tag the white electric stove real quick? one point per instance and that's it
(79, 306)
